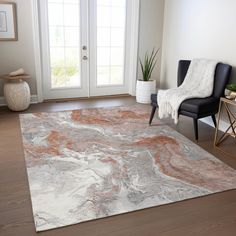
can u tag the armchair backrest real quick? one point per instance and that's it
(222, 76)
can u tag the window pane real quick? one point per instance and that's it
(64, 35)
(58, 76)
(117, 17)
(120, 3)
(103, 56)
(117, 56)
(103, 37)
(104, 2)
(71, 15)
(72, 57)
(111, 18)
(56, 1)
(72, 75)
(57, 56)
(72, 37)
(117, 37)
(103, 16)
(56, 36)
(72, 1)
(103, 75)
(55, 14)
(117, 75)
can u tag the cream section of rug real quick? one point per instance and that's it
(93, 163)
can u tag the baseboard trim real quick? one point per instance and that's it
(223, 125)
(33, 100)
(86, 98)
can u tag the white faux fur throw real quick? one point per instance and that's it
(198, 83)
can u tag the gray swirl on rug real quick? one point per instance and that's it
(93, 163)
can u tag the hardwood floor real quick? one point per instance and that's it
(210, 215)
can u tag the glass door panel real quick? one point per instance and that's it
(111, 18)
(108, 46)
(64, 38)
(64, 26)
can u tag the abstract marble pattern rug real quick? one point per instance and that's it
(93, 163)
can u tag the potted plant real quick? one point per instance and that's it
(146, 86)
(230, 91)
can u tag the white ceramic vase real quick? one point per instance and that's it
(144, 89)
(17, 95)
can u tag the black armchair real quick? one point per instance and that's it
(198, 108)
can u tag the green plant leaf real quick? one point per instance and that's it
(231, 87)
(147, 66)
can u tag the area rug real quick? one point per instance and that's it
(93, 163)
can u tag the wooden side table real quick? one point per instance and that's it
(231, 115)
(16, 92)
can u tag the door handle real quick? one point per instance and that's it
(85, 58)
(84, 48)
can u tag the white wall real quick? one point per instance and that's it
(14, 55)
(197, 29)
(151, 29)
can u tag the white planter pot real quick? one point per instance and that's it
(144, 89)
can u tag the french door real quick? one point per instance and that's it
(84, 47)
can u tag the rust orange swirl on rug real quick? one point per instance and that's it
(93, 163)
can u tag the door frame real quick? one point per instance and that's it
(133, 50)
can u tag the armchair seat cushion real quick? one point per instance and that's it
(200, 105)
(195, 105)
